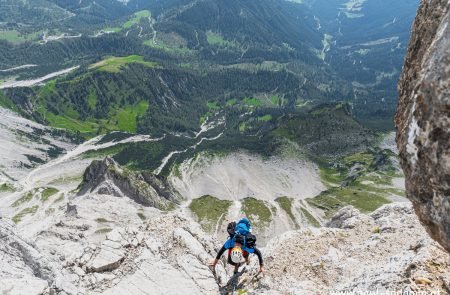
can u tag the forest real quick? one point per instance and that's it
(195, 61)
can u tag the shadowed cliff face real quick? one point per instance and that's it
(422, 119)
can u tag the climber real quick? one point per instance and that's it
(240, 244)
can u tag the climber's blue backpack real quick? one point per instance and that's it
(243, 227)
(241, 232)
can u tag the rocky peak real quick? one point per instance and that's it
(422, 119)
(108, 178)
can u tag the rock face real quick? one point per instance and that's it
(167, 255)
(117, 246)
(22, 262)
(387, 250)
(24, 270)
(108, 178)
(422, 119)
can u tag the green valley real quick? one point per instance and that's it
(210, 76)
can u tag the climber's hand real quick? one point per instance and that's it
(213, 262)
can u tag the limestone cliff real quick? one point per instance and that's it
(422, 119)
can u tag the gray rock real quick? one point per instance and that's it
(346, 217)
(110, 254)
(23, 269)
(71, 210)
(155, 277)
(79, 271)
(84, 227)
(28, 256)
(106, 260)
(422, 119)
(199, 272)
(392, 217)
(108, 178)
(23, 286)
(194, 246)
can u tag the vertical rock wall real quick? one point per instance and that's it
(423, 118)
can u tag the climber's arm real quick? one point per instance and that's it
(260, 258)
(219, 254)
(228, 244)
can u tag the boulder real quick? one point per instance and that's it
(110, 254)
(422, 119)
(347, 217)
(71, 210)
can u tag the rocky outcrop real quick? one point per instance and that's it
(108, 178)
(422, 119)
(71, 210)
(110, 254)
(387, 250)
(347, 217)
